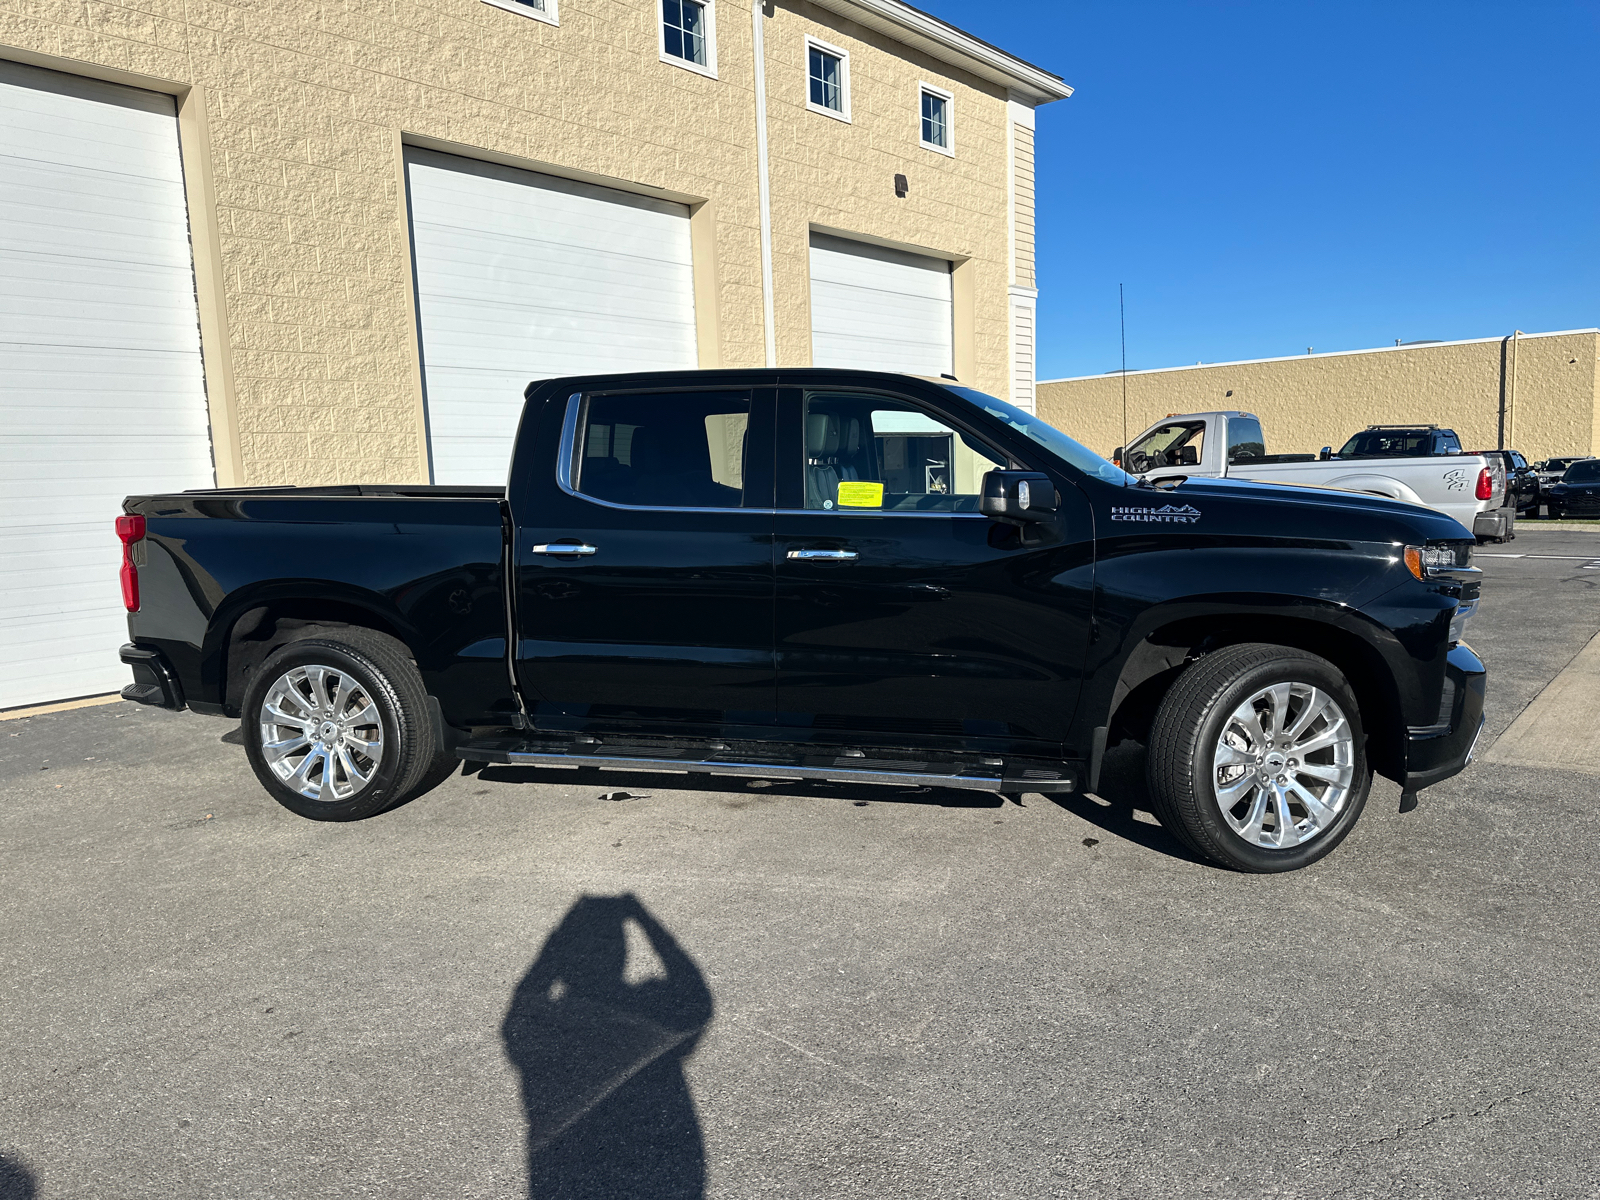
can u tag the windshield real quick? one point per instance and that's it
(1389, 443)
(1048, 436)
(1587, 471)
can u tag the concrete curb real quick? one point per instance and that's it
(39, 710)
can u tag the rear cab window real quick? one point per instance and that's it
(1245, 440)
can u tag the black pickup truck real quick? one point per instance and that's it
(814, 574)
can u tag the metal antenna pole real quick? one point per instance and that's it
(1122, 314)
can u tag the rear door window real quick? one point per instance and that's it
(666, 450)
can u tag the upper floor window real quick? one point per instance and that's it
(827, 79)
(936, 131)
(688, 34)
(543, 10)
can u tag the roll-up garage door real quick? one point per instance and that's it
(101, 392)
(523, 276)
(878, 309)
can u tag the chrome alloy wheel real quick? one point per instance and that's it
(320, 733)
(1284, 766)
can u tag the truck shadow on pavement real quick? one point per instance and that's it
(601, 1060)
(16, 1181)
(661, 781)
(1117, 808)
(1121, 798)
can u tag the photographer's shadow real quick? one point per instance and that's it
(601, 1060)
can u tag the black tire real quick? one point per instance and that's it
(1192, 718)
(1553, 512)
(379, 668)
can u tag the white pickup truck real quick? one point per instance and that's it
(1422, 464)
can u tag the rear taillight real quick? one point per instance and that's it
(131, 530)
(1485, 484)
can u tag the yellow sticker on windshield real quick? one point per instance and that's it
(854, 494)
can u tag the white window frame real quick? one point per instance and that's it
(709, 69)
(949, 99)
(551, 15)
(843, 55)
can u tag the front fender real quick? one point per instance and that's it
(1165, 635)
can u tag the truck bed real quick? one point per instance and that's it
(423, 562)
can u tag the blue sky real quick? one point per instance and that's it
(1265, 177)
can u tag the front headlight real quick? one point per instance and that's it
(1439, 558)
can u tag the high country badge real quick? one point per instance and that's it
(1167, 514)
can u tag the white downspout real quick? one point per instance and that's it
(763, 183)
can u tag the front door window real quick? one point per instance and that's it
(872, 454)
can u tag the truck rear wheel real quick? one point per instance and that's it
(337, 727)
(1257, 758)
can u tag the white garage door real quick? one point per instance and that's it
(101, 393)
(523, 276)
(877, 309)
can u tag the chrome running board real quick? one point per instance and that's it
(837, 769)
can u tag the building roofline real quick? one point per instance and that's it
(956, 46)
(1246, 362)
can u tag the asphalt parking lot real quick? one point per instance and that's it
(512, 986)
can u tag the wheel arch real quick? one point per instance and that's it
(248, 628)
(1376, 485)
(1161, 655)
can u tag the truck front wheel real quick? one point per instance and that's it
(1257, 758)
(337, 727)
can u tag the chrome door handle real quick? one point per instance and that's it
(563, 549)
(823, 555)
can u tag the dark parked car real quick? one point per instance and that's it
(1551, 471)
(1578, 493)
(812, 574)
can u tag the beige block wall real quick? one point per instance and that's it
(840, 177)
(1320, 400)
(295, 112)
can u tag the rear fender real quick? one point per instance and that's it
(1377, 485)
(309, 603)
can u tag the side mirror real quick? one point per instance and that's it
(1325, 454)
(1116, 457)
(1188, 456)
(1018, 497)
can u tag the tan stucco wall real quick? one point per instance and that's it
(302, 108)
(831, 175)
(1320, 400)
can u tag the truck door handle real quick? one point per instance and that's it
(563, 549)
(823, 555)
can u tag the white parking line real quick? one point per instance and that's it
(1583, 558)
